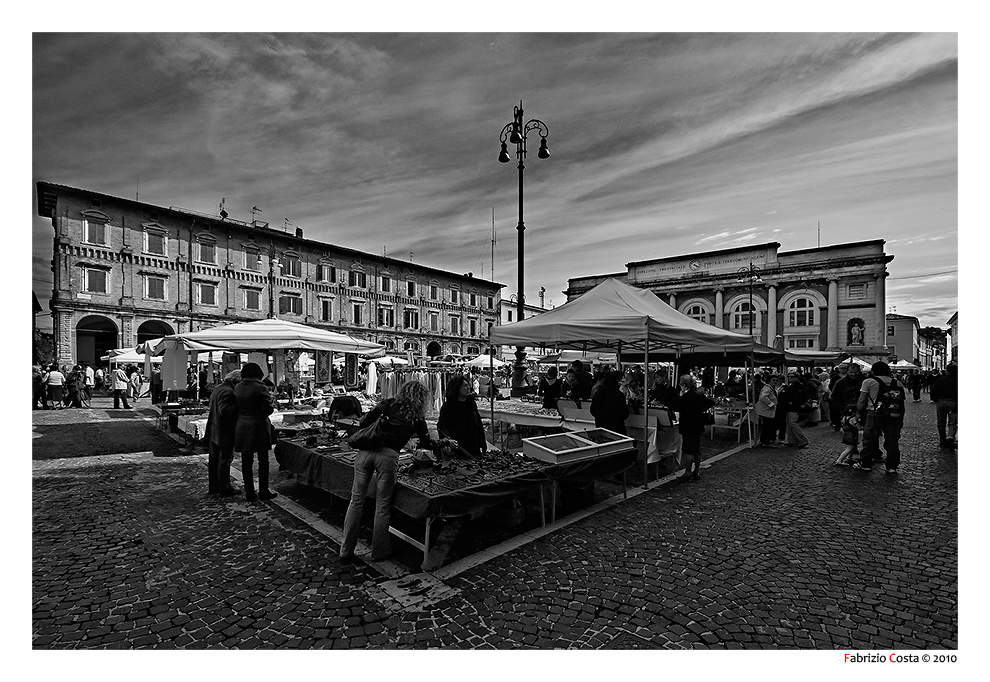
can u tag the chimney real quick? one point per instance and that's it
(299, 233)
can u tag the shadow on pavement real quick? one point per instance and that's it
(52, 441)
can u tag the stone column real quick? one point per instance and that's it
(832, 340)
(881, 308)
(771, 314)
(719, 322)
(672, 300)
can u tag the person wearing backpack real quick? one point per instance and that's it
(881, 413)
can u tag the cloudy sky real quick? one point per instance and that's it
(662, 144)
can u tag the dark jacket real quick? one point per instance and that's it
(550, 392)
(254, 404)
(585, 383)
(399, 431)
(690, 407)
(791, 396)
(610, 410)
(946, 387)
(222, 421)
(460, 420)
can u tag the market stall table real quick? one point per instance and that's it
(426, 496)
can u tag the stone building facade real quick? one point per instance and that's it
(827, 298)
(127, 271)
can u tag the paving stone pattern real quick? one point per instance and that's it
(770, 549)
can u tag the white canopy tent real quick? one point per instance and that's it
(484, 361)
(617, 316)
(902, 365)
(126, 356)
(389, 361)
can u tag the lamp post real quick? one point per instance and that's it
(516, 133)
(272, 263)
(752, 273)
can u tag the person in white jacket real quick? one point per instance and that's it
(119, 385)
(766, 409)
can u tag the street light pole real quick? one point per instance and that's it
(516, 133)
(753, 274)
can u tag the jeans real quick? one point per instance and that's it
(218, 467)
(383, 463)
(945, 414)
(891, 432)
(795, 436)
(118, 395)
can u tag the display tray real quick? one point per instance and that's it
(559, 448)
(607, 441)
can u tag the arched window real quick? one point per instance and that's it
(801, 313)
(741, 315)
(698, 312)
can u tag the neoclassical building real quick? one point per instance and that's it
(127, 271)
(827, 298)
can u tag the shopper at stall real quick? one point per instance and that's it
(570, 389)
(221, 428)
(881, 413)
(118, 382)
(459, 418)
(405, 417)
(608, 406)
(691, 407)
(945, 394)
(136, 380)
(156, 384)
(88, 383)
(766, 410)
(75, 385)
(54, 384)
(252, 434)
(549, 388)
(791, 400)
(584, 380)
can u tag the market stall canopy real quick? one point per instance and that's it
(264, 335)
(389, 360)
(615, 312)
(484, 361)
(902, 365)
(565, 357)
(862, 363)
(814, 357)
(126, 355)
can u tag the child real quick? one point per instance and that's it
(850, 435)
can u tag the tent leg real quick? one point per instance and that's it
(646, 409)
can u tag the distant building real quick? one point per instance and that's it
(508, 314)
(932, 348)
(903, 338)
(127, 271)
(827, 298)
(954, 337)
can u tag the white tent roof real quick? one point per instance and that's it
(614, 311)
(126, 355)
(264, 335)
(484, 361)
(903, 364)
(387, 360)
(862, 363)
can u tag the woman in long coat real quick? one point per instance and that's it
(253, 431)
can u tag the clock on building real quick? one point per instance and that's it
(695, 265)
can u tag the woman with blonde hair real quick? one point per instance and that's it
(403, 417)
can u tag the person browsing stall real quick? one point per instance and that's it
(253, 433)
(459, 417)
(609, 407)
(221, 427)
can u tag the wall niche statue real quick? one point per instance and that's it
(857, 329)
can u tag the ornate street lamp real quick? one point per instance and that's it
(517, 133)
(273, 262)
(752, 273)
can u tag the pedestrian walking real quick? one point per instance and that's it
(766, 410)
(253, 433)
(881, 413)
(156, 385)
(221, 427)
(135, 380)
(100, 376)
(945, 394)
(915, 382)
(400, 418)
(89, 384)
(75, 386)
(691, 408)
(118, 382)
(792, 399)
(850, 436)
(55, 384)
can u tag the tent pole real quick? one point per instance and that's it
(618, 357)
(750, 399)
(646, 409)
(491, 382)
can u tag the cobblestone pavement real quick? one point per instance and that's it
(769, 549)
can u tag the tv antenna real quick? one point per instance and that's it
(223, 211)
(255, 210)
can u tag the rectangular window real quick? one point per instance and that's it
(252, 299)
(154, 288)
(411, 289)
(95, 233)
(454, 293)
(95, 281)
(291, 267)
(386, 285)
(472, 327)
(357, 311)
(434, 322)
(328, 273)
(509, 314)
(890, 331)
(252, 261)
(155, 243)
(801, 342)
(491, 302)
(386, 316)
(207, 252)
(802, 318)
(410, 319)
(434, 292)
(207, 293)
(290, 303)
(356, 278)
(455, 326)
(326, 312)
(856, 291)
(474, 299)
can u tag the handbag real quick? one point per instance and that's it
(370, 437)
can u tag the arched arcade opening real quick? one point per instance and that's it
(95, 336)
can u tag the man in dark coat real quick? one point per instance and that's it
(583, 378)
(945, 395)
(691, 407)
(220, 427)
